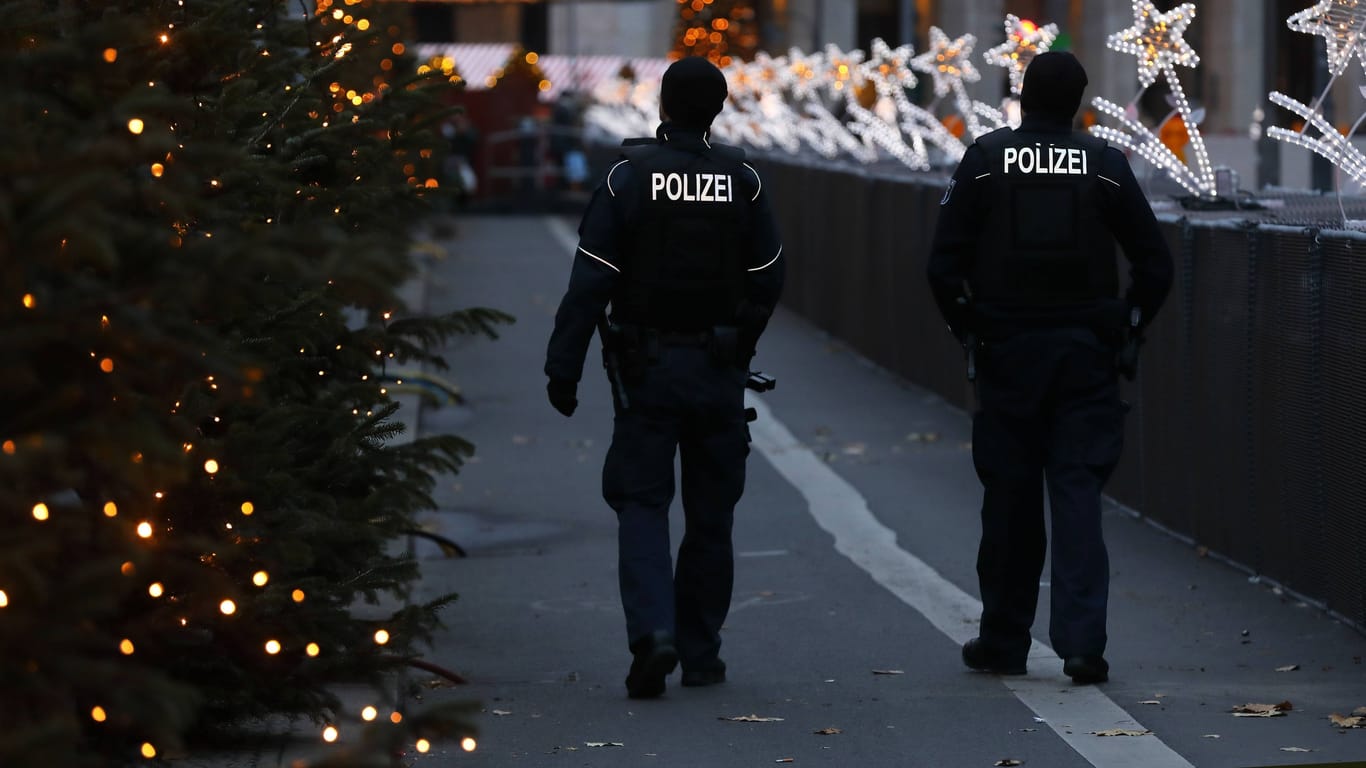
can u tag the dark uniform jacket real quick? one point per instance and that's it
(1027, 229)
(664, 225)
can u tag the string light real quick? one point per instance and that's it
(468, 744)
(135, 126)
(248, 508)
(312, 649)
(330, 734)
(1024, 41)
(211, 467)
(423, 746)
(260, 578)
(368, 714)
(40, 512)
(227, 607)
(297, 595)
(111, 509)
(4, 599)
(98, 714)
(145, 530)
(381, 637)
(272, 647)
(148, 751)
(396, 717)
(28, 301)
(8, 447)
(155, 589)
(1343, 27)
(126, 647)
(1156, 39)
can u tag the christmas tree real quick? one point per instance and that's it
(719, 30)
(206, 210)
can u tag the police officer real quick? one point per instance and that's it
(680, 240)
(1023, 269)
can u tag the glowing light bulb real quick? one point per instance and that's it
(126, 647)
(4, 599)
(111, 509)
(227, 607)
(330, 734)
(468, 744)
(297, 595)
(127, 569)
(423, 745)
(40, 511)
(272, 647)
(145, 530)
(98, 714)
(111, 55)
(396, 718)
(312, 649)
(155, 589)
(260, 578)
(135, 126)
(107, 365)
(29, 301)
(381, 637)
(8, 447)
(211, 466)
(248, 508)
(368, 714)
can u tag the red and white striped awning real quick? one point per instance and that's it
(481, 63)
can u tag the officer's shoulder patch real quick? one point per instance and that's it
(948, 191)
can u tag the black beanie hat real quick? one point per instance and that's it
(1053, 83)
(692, 92)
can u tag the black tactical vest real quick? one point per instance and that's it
(1045, 241)
(684, 269)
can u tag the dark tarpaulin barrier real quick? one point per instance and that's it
(1248, 418)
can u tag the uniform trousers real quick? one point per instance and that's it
(1049, 416)
(682, 403)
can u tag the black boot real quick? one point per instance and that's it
(977, 655)
(709, 672)
(654, 658)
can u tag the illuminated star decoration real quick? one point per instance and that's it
(1024, 41)
(1340, 24)
(949, 62)
(1156, 39)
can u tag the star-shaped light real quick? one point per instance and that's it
(1155, 38)
(889, 68)
(1341, 24)
(1024, 41)
(843, 72)
(947, 61)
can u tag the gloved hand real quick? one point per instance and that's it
(563, 395)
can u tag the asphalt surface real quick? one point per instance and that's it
(855, 581)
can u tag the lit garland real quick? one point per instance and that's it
(1156, 39)
(949, 63)
(1342, 24)
(786, 102)
(1024, 41)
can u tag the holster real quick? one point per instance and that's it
(632, 347)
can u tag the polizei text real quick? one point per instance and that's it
(691, 187)
(1045, 159)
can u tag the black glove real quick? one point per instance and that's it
(563, 395)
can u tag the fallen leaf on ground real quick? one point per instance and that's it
(751, 719)
(828, 731)
(1295, 749)
(1009, 761)
(1262, 710)
(1150, 701)
(1122, 732)
(501, 712)
(1288, 668)
(1038, 719)
(1028, 730)
(603, 744)
(888, 672)
(1355, 721)
(784, 760)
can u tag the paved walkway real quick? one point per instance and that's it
(855, 583)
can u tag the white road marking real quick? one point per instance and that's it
(1073, 712)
